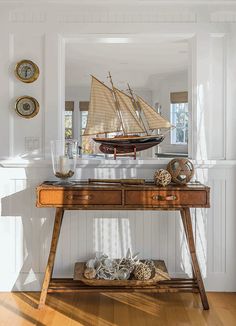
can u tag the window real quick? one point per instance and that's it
(84, 117)
(89, 147)
(87, 142)
(68, 124)
(69, 112)
(179, 118)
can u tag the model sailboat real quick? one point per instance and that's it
(129, 116)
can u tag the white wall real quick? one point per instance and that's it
(38, 33)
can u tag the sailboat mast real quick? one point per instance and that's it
(117, 104)
(136, 106)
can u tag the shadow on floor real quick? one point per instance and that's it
(108, 309)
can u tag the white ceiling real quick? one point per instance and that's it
(204, 2)
(133, 62)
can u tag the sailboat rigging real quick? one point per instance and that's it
(113, 111)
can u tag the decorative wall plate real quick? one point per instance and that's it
(27, 107)
(27, 71)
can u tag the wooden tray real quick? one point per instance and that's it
(161, 275)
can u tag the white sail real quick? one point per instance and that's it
(129, 117)
(102, 113)
(154, 120)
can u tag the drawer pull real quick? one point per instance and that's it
(71, 197)
(159, 197)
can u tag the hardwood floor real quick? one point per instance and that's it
(119, 309)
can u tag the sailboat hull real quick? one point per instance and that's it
(124, 145)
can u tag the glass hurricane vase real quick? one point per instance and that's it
(64, 156)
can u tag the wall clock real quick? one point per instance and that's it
(27, 107)
(27, 71)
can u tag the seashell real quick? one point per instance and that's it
(105, 275)
(108, 263)
(150, 263)
(90, 273)
(100, 275)
(129, 253)
(135, 255)
(100, 255)
(123, 274)
(128, 264)
(97, 265)
(111, 269)
(130, 256)
(91, 263)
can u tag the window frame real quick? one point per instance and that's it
(185, 129)
(69, 107)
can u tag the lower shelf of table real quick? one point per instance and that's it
(173, 285)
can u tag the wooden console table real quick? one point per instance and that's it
(84, 196)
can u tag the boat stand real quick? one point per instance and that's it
(132, 154)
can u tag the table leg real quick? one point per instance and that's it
(52, 254)
(187, 222)
(187, 236)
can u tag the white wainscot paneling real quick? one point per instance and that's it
(209, 100)
(215, 228)
(216, 112)
(26, 232)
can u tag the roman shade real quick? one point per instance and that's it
(84, 105)
(179, 97)
(69, 106)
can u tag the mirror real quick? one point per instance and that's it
(156, 68)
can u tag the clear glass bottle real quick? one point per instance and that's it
(64, 156)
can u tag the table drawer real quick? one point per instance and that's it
(53, 197)
(166, 198)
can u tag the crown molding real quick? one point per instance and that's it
(223, 17)
(138, 15)
(122, 2)
(147, 16)
(27, 16)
